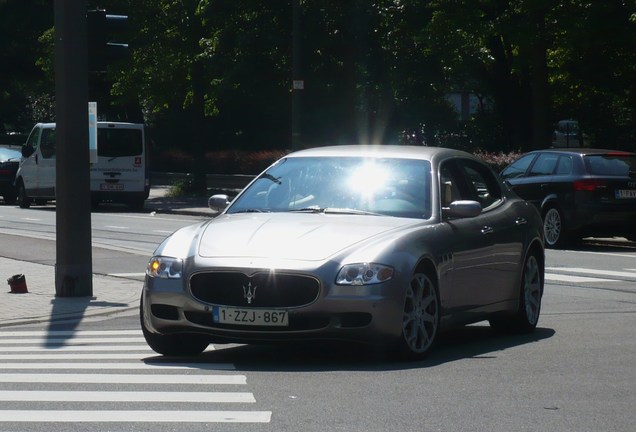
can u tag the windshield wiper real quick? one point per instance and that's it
(351, 211)
(251, 210)
(311, 209)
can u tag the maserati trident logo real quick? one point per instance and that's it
(249, 293)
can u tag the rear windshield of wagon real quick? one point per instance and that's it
(611, 164)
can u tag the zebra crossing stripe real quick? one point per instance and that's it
(121, 379)
(61, 348)
(85, 356)
(126, 396)
(118, 366)
(74, 341)
(69, 333)
(88, 416)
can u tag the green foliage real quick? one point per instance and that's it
(213, 76)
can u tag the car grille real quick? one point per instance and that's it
(260, 290)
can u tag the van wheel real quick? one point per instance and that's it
(10, 198)
(23, 200)
(137, 204)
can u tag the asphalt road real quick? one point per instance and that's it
(577, 372)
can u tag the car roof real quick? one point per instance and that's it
(583, 151)
(376, 150)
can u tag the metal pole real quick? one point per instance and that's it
(297, 83)
(74, 267)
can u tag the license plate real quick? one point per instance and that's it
(250, 317)
(111, 187)
(625, 193)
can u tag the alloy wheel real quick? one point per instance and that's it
(552, 226)
(532, 290)
(421, 314)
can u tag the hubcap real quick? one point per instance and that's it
(532, 290)
(552, 226)
(421, 311)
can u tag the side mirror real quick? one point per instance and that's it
(462, 209)
(218, 203)
(27, 150)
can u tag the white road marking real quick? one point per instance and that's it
(118, 366)
(116, 227)
(575, 279)
(126, 396)
(126, 416)
(121, 379)
(593, 271)
(123, 275)
(61, 356)
(88, 348)
(30, 351)
(73, 341)
(140, 365)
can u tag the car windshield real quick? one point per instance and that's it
(347, 185)
(7, 154)
(611, 164)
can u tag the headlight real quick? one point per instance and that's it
(364, 274)
(165, 267)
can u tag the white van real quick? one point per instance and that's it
(120, 174)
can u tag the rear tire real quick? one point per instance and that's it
(421, 317)
(23, 200)
(530, 292)
(184, 344)
(10, 198)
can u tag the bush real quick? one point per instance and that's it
(497, 161)
(217, 162)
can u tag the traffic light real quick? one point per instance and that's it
(106, 35)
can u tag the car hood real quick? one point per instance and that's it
(291, 236)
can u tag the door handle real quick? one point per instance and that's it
(486, 230)
(521, 221)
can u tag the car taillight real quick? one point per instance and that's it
(589, 185)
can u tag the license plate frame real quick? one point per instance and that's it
(250, 316)
(625, 193)
(111, 186)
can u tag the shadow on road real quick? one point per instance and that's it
(470, 342)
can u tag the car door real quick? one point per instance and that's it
(535, 184)
(503, 230)
(470, 246)
(46, 164)
(28, 165)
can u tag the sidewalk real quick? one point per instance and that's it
(110, 294)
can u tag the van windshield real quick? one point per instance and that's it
(119, 142)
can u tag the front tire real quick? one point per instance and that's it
(421, 316)
(185, 344)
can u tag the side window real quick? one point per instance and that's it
(564, 166)
(34, 138)
(449, 183)
(544, 165)
(517, 168)
(47, 143)
(483, 186)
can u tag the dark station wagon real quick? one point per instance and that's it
(579, 192)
